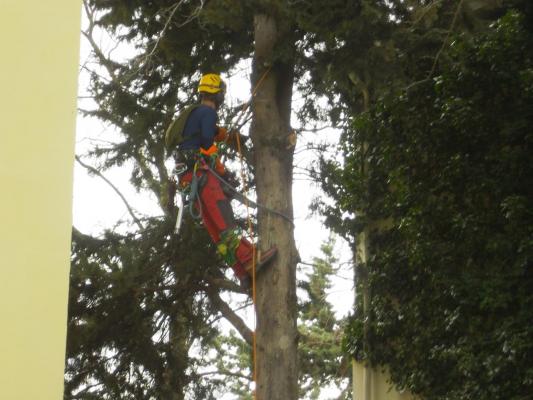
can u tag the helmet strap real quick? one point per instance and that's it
(219, 99)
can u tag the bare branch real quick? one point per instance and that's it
(452, 27)
(226, 284)
(109, 64)
(172, 10)
(230, 315)
(225, 373)
(144, 60)
(315, 130)
(98, 173)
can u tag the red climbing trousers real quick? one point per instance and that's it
(217, 217)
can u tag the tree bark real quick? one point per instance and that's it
(276, 331)
(174, 376)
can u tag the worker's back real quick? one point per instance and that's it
(200, 128)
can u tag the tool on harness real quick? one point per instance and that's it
(193, 194)
(189, 193)
(179, 169)
(179, 218)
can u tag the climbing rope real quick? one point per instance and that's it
(193, 194)
(246, 200)
(247, 104)
(254, 290)
(250, 233)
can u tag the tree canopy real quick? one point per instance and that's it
(446, 194)
(435, 109)
(173, 42)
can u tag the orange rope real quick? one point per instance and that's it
(254, 92)
(250, 233)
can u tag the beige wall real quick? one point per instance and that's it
(39, 43)
(372, 384)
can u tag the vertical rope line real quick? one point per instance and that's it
(250, 233)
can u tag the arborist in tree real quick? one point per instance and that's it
(194, 134)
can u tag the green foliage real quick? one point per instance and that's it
(347, 51)
(441, 176)
(354, 51)
(140, 320)
(234, 362)
(322, 361)
(347, 48)
(139, 97)
(134, 313)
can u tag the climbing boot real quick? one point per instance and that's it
(262, 260)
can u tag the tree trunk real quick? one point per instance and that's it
(277, 337)
(175, 377)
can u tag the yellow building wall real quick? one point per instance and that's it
(39, 42)
(373, 384)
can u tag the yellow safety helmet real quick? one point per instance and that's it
(211, 83)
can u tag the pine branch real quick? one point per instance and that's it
(87, 389)
(109, 64)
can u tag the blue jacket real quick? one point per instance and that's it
(201, 127)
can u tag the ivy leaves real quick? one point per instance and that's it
(447, 161)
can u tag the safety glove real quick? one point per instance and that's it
(230, 138)
(221, 135)
(219, 167)
(234, 138)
